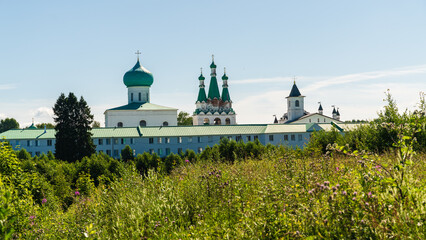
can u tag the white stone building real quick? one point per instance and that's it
(296, 112)
(139, 111)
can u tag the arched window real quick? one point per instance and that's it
(228, 121)
(142, 123)
(217, 121)
(165, 124)
(140, 97)
(297, 103)
(131, 97)
(119, 124)
(206, 121)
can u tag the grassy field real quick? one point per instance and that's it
(284, 194)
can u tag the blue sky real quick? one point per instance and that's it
(343, 53)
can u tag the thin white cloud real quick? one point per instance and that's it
(357, 77)
(324, 81)
(7, 86)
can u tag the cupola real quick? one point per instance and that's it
(138, 76)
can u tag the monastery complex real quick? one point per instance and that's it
(149, 127)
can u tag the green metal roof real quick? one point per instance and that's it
(311, 127)
(142, 107)
(213, 89)
(225, 94)
(202, 95)
(138, 76)
(202, 130)
(28, 134)
(180, 131)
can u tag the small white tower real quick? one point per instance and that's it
(295, 104)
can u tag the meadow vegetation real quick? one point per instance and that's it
(368, 183)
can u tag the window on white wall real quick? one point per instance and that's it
(297, 103)
(300, 137)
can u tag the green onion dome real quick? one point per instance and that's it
(138, 76)
(201, 77)
(224, 77)
(213, 65)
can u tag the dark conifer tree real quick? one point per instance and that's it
(73, 124)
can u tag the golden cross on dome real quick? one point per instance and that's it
(138, 53)
(294, 79)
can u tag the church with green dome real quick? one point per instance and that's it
(214, 108)
(139, 111)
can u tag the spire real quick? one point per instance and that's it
(225, 91)
(294, 91)
(213, 87)
(337, 112)
(202, 92)
(320, 110)
(275, 120)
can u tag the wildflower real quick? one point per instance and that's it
(337, 168)
(335, 193)
(186, 160)
(377, 168)
(344, 193)
(334, 189)
(310, 192)
(32, 217)
(44, 200)
(355, 193)
(354, 198)
(337, 185)
(366, 204)
(77, 193)
(370, 194)
(326, 183)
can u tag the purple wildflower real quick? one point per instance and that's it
(44, 200)
(355, 193)
(337, 168)
(186, 160)
(77, 193)
(326, 183)
(369, 194)
(32, 217)
(354, 198)
(344, 193)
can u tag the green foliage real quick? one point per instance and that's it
(127, 153)
(23, 154)
(184, 119)
(73, 124)
(7, 124)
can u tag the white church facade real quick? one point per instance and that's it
(139, 111)
(296, 112)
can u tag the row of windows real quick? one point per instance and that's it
(318, 120)
(36, 143)
(296, 103)
(160, 151)
(142, 123)
(139, 96)
(217, 121)
(292, 137)
(115, 141)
